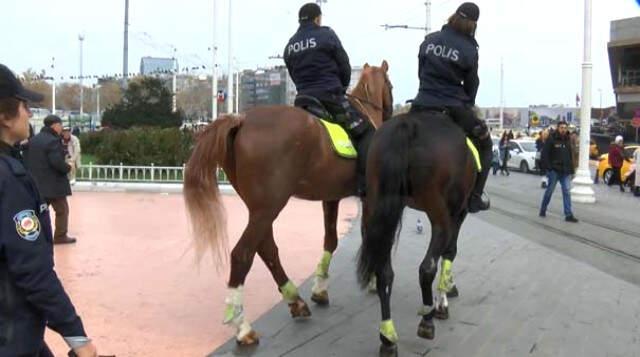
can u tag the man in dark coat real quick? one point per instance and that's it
(557, 160)
(45, 160)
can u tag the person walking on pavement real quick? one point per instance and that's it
(31, 295)
(616, 160)
(557, 160)
(73, 150)
(544, 135)
(46, 162)
(505, 155)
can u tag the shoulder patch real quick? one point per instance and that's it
(27, 225)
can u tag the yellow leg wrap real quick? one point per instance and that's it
(389, 331)
(323, 267)
(446, 276)
(289, 292)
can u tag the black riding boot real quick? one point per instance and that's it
(361, 132)
(362, 147)
(476, 203)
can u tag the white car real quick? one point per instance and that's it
(523, 155)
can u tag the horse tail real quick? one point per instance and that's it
(201, 193)
(382, 226)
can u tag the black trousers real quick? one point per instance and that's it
(615, 177)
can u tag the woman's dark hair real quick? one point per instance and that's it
(462, 25)
(9, 107)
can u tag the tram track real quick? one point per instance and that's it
(591, 222)
(574, 237)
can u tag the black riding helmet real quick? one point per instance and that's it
(309, 12)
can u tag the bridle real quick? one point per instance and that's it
(386, 113)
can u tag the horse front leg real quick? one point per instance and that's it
(320, 290)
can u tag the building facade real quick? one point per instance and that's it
(624, 61)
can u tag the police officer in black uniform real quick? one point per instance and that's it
(319, 67)
(31, 296)
(448, 70)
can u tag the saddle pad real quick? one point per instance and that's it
(340, 141)
(474, 152)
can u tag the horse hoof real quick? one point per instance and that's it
(299, 308)
(388, 350)
(321, 298)
(453, 293)
(426, 329)
(441, 313)
(250, 339)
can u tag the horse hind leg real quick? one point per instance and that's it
(268, 252)
(388, 334)
(446, 286)
(440, 233)
(241, 260)
(320, 290)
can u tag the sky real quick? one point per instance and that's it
(540, 41)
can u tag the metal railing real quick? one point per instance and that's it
(126, 173)
(630, 78)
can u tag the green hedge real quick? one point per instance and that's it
(139, 146)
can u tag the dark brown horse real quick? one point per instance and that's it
(420, 160)
(271, 154)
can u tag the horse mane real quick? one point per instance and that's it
(361, 86)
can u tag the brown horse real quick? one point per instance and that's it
(271, 154)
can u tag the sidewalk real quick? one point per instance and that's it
(517, 298)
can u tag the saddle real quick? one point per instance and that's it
(313, 106)
(338, 137)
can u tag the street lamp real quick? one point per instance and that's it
(53, 86)
(582, 190)
(81, 39)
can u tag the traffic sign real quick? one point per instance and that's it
(635, 122)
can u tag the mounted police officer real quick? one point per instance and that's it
(319, 67)
(31, 296)
(448, 70)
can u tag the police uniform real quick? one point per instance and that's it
(448, 71)
(31, 296)
(319, 66)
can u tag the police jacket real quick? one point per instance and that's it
(45, 161)
(557, 154)
(31, 296)
(448, 69)
(316, 60)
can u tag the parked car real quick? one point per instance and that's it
(523, 155)
(593, 150)
(605, 171)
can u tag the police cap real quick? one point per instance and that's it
(10, 87)
(469, 10)
(309, 12)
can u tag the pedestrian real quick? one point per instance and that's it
(616, 160)
(495, 160)
(505, 155)
(544, 134)
(73, 152)
(31, 295)
(557, 160)
(46, 162)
